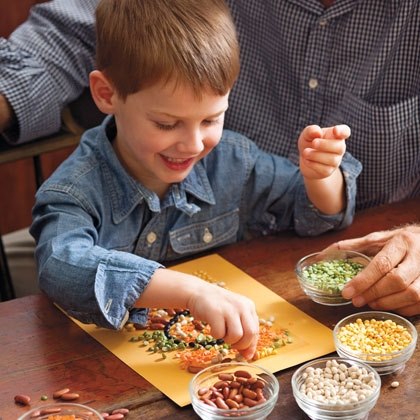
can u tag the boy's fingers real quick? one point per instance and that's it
(313, 131)
(341, 131)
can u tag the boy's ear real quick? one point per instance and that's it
(103, 92)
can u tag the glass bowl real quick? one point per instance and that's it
(259, 391)
(82, 412)
(382, 358)
(322, 275)
(350, 397)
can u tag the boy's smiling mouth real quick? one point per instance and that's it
(177, 163)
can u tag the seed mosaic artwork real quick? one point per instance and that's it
(175, 332)
(174, 345)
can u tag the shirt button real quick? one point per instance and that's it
(323, 22)
(151, 237)
(313, 83)
(207, 237)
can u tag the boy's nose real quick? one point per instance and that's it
(192, 143)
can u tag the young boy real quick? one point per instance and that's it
(150, 184)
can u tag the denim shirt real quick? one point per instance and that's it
(101, 234)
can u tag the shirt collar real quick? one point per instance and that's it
(126, 193)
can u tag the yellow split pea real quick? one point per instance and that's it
(374, 337)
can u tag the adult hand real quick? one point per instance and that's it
(391, 281)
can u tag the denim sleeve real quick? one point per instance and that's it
(89, 282)
(310, 221)
(45, 64)
(276, 197)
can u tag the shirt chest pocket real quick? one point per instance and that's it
(208, 234)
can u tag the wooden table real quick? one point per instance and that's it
(43, 351)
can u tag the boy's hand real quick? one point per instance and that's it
(321, 150)
(232, 317)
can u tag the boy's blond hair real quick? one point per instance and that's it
(143, 42)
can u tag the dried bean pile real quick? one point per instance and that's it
(331, 276)
(337, 383)
(234, 391)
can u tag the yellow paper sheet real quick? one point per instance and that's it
(311, 339)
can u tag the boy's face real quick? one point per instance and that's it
(162, 132)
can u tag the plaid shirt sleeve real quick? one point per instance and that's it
(45, 64)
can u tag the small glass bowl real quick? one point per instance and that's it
(209, 376)
(383, 363)
(318, 410)
(326, 292)
(82, 412)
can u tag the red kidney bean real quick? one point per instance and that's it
(243, 374)
(220, 402)
(249, 402)
(22, 399)
(70, 396)
(232, 393)
(220, 384)
(121, 411)
(232, 403)
(52, 410)
(226, 377)
(210, 402)
(249, 394)
(238, 398)
(60, 392)
(117, 416)
(202, 391)
(259, 384)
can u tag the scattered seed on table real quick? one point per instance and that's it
(44, 398)
(22, 399)
(60, 392)
(395, 384)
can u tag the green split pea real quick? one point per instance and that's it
(331, 276)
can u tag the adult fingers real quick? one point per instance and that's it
(399, 279)
(370, 244)
(389, 257)
(406, 302)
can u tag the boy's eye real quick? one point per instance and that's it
(166, 127)
(211, 122)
